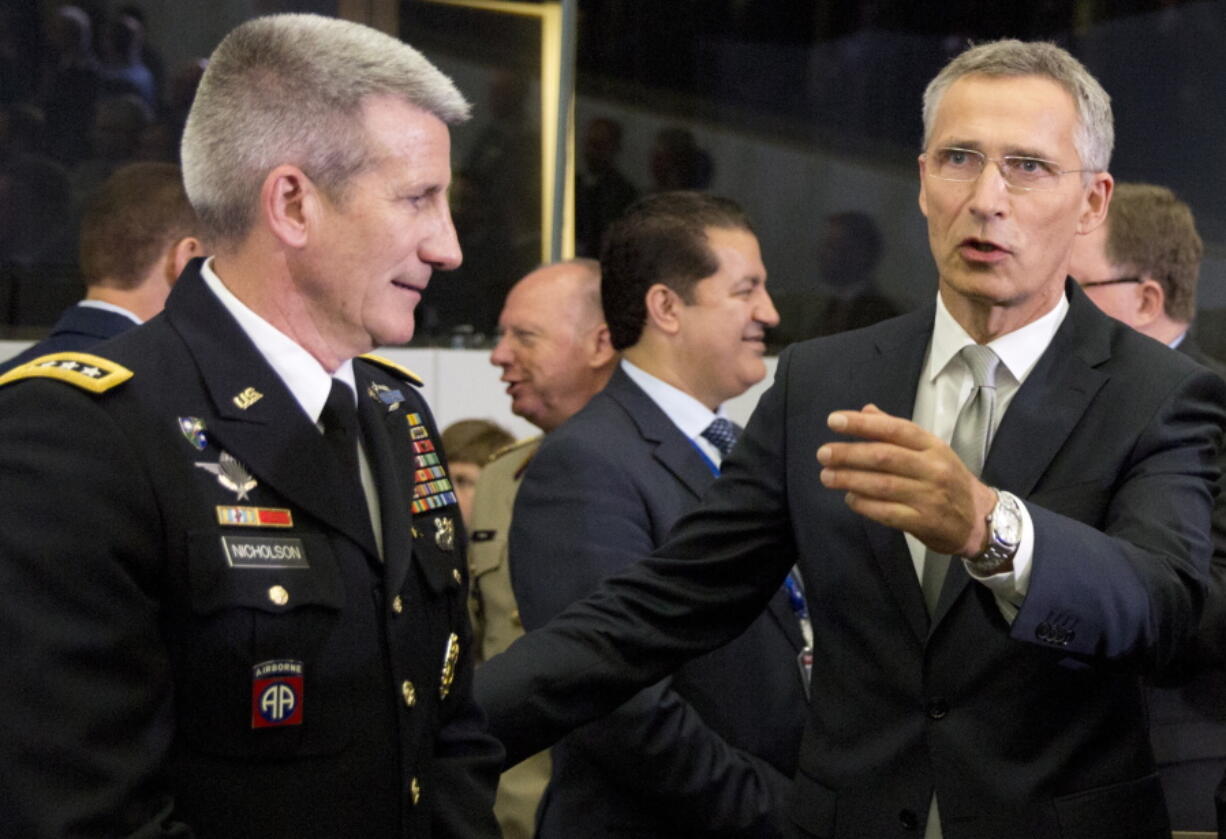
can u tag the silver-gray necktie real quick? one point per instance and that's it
(971, 438)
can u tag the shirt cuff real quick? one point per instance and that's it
(1010, 587)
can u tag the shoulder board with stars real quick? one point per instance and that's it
(391, 366)
(86, 371)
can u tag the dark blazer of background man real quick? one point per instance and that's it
(554, 351)
(1014, 709)
(711, 750)
(137, 235)
(1141, 267)
(218, 621)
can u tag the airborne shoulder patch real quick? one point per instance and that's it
(391, 366)
(88, 372)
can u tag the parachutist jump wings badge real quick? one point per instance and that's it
(232, 475)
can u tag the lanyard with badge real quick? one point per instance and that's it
(796, 599)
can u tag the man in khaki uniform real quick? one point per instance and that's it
(555, 354)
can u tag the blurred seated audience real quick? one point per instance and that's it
(677, 162)
(845, 295)
(602, 193)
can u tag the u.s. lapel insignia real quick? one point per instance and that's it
(248, 398)
(231, 474)
(451, 655)
(444, 533)
(385, 395)
(193, 431)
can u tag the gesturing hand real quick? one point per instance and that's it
(906, 478)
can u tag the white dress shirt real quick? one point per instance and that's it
(110, 307)
(944, 387)
(305, 378)
(689, 415)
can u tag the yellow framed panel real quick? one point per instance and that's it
(553, 208)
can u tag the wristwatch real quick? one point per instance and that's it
(1004, 535)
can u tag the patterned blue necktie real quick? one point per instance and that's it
(722, 434)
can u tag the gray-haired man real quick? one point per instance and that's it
(233, 578)
(1065, 462)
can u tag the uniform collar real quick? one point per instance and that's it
(303, 376)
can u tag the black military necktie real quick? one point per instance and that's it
(340, 422)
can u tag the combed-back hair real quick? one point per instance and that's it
(1095, 134)
(661, 239)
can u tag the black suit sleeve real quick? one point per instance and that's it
(1131, 586)
(712, 578)
(79, 550)
(580, 516)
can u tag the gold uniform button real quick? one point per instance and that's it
(398, 604)
(409, 693)
(415, 791)
(278, 595)
(455, 575)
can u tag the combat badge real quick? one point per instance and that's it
(444, 533)
(276, 694)
(193, 432)
(385, 395)
(231, 474)
(451, 656)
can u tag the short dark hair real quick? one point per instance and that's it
(661, 239)
(134, 216)
(1150, 231)
(474, 441)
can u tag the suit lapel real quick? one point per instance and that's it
(888, 378)
(1043, 413)
(271, 436)
(672, 449)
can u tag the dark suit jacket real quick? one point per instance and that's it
(709, 752)
(78, 329)
(1188, 721)
(132, 635)
(1029, 730)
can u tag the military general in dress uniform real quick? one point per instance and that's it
(231, 565)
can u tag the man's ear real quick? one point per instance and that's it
(600, 352)
(1098, 199)
(181, 253)
(288, 199)
(1152, 302)
(663, 309)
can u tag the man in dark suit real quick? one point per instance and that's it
(231, 564)
(980, 617)
(711, 750)
(1141, 266)
(137, 235)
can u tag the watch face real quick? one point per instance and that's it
(1007, 522)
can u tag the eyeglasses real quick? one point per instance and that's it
(1019, 172)
(1094, 283)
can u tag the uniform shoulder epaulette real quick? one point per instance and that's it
(511, 447)
(391, 366)
(88, 372)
